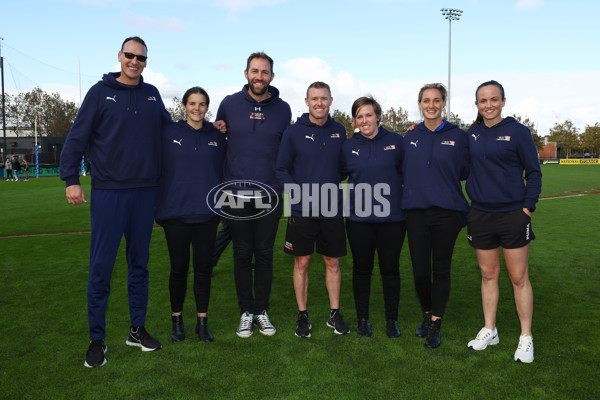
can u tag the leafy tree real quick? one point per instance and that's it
(537, 139)
(59, 114)
(396, 120)
(566, 136)
(15, 106)
(590, 139)
(345, 120)
(55, 115)
(177, 110)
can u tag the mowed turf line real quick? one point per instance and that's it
(43, 337)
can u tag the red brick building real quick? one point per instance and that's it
(549, 151)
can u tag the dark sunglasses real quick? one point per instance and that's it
(130, 56)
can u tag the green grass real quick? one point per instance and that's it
(43, 333)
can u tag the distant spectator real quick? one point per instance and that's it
(26, 168)
(8, 167)
(16, 167)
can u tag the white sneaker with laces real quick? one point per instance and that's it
(524, 351)
(264, 324)
(244, 330)
(486, 337)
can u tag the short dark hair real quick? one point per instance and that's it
(195, 90)
(365, 101)
(437, 86)
(259, 54)
(479, 118)
(318, 85)
(135, 39)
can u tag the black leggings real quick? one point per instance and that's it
(179, 236)
(387, 239)
(432, 233)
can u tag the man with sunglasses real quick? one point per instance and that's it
(119, 123)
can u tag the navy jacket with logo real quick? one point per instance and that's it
(310, 153)
(254, 131)
(121, 124)
(192, 166)
(499, 157)
(372, 162)
(434, 165)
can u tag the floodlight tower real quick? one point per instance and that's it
(451, 14)
(3, 102)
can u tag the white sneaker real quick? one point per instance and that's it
(524, 351)
(244, 330)
(486, 337)
(264, 324)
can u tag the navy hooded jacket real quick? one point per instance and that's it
(121, 124)
(192, 166)
(373, 165)
(254, 132)
(499, 156)
(434, 164)
(310, 154)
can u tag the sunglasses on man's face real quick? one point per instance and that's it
(130, 56)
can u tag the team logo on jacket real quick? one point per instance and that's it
(213, 144)
(257, 114)
(310, 137)
(414, 143)
(177, 141)
(475, 137)
(151, 98)
(503, 138)
(114, 98)
(356, 152)
(335, 136)
(448, 142)
(390, 147)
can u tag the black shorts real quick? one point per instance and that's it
(489, 230)
(303, 233)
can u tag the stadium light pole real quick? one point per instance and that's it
(451, 14)
(3, 103)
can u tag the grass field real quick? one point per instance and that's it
(44, 333)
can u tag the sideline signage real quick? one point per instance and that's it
(573, 161)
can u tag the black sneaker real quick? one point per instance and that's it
(424, 327)
(140, 338)
(364, 327)
(434, 338)
(264, 324)
(391, 329)
(304, 326)
(337, 323)
(95, 354)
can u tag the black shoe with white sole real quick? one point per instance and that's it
(95, 354)
(140, 338)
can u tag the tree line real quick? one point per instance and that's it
(56, 116)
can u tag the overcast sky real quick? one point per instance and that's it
(544, 52)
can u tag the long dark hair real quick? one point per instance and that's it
(479, 118)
